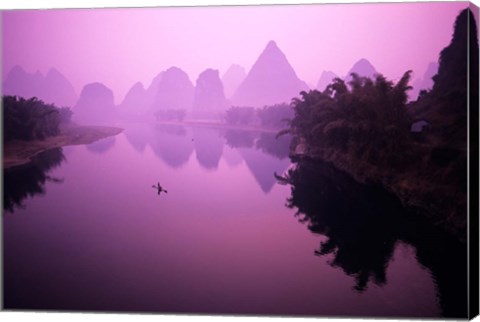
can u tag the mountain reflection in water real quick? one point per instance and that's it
(235, 239)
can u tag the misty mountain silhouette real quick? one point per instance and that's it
(232, 78)
(271, 80)
(362, 68)
(95, 105)
(52, 88)
(209, 92)
(173, 91)
(325, 79)
(136, 101)
(424, 83)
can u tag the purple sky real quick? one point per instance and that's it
(121, 46)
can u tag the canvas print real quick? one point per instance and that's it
(283, 160)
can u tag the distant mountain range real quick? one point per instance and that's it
(271, 80)
(52, 88)
(362, 68)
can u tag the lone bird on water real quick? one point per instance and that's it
(159, 188)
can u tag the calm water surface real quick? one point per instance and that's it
(86, 231)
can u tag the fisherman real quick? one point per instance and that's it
(159, 188)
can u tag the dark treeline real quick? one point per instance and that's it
(31, 119)
(28, 180)
(272, 116)
(364, 128)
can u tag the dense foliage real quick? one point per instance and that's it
(240, 115)
(271, 116)
(364, 129)
(275, 116)
(368, 119)
(31, 119)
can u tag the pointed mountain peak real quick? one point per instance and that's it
(272, 45)
(55, 73)
(362, 68)
(325, 79)
(235, 67)
(363, 63)
(15, 72)
(17, 69)
(272, 50)
(53, 70)
(271, 80)
(138, 86)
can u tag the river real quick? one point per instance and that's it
(83, 229)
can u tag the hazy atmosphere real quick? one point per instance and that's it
(301, 160)
(121, 47)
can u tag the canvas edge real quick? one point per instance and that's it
(473, 182)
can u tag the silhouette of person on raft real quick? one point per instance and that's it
(159, 188)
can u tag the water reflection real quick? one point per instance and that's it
(208, 147)
(239, 139)
(263, 167)
(262, 153)
(29, 180)
(363, 224)
(138, 135)
(102, 146)
(171, 144)
(275, 146)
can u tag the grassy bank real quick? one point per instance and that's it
(19, 152)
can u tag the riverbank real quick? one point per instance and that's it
(429, 190)
(19, 152)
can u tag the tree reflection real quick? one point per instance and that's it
(29, 180)
(239, 139)
(363, 223)
(276, 146)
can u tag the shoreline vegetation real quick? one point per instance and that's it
(365, 129)
(19, 152)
